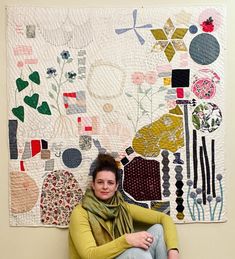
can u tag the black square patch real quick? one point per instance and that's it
(124, 161)
(129, 150)
(180, 78)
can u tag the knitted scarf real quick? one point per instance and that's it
(99, 212)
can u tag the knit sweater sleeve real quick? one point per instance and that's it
(82, 244)
(148, 216)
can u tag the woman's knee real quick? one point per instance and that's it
(135, 253)
(156, 230)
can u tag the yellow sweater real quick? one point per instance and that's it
(82, 244)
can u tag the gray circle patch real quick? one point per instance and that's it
(204, 49)
(72, 157)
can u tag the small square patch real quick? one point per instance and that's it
(129, 150)
(167, 81)
(180, 92)
(180, 77)
(124, 161)
(30, 31)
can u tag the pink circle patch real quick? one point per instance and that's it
(204, 88)
(210, 20)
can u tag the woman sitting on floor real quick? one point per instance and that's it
(101, 227)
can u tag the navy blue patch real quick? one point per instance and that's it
(72, 157)
(193, 29)
(124, 161)
(180, 78)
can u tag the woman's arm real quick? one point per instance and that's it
(173, 254)
(151, 217)
(82, 240)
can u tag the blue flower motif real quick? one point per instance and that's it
(65, 54)
(71, 75)
(51, 71)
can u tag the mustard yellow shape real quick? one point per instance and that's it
(179, 33)
(159, 34)
(176, 110)
(169, 52)
(165, 133)
(167, 81)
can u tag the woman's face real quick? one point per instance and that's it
(104, 185)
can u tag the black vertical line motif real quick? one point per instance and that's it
(195, 159)
(187, 140)
(208, 175)
(213, 166)
(203, 175)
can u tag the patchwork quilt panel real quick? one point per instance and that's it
(145, 85)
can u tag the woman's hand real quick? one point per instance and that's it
(141, 239)
(173, 254)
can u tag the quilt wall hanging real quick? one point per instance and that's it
(145, 85)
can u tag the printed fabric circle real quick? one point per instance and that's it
(72, 157)
(60, 194)
(207, 117)
(204, 49)
(204, 88)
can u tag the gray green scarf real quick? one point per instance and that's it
(99, 212)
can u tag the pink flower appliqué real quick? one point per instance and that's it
(151, 77)
(208, 25)
(20, 64)
(137, 78)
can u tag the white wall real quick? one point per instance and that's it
(197, 241)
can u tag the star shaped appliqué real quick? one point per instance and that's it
(169, 39)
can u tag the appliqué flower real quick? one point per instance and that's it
(65, 54)
(20, 64)
(71, 75)
(51, 72)
(151, 77)
(208, 26)
(137, 78)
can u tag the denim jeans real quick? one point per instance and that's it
(157, 250)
